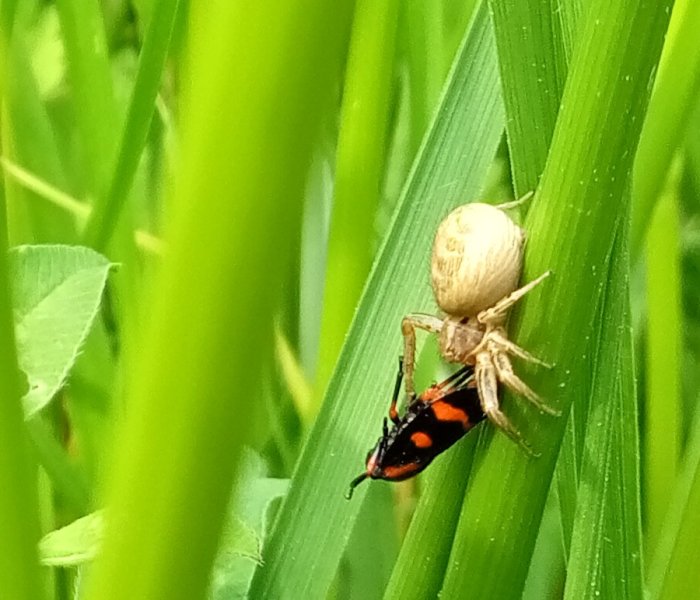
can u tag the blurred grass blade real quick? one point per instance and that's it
(571, 226)
(196, 384)
(369, 79)
(315, 521)
(664, 350)
(673, 573)
(422, 29)
(31, 142)
(20, 577)
(19, 512)
(670, 110)
(605, 556)
(91, 82)
(154, 53)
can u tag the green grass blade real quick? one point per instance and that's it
(154, 52)
(19, 503)
(32, 143)
(423, 39)
(358, 174)
(420, 567)
(534, 67)
(91, 81)
(674, 573)
(571, 226)
(315, 522)
(670, 110)
(533, 71)
(663, 408)
(197, 383)
(605, 556)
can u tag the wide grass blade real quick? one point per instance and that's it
(196, 385)
(358, 174)
(670, 112)
(605, 554)
(315, 521)
(533, 68)
(572, 223)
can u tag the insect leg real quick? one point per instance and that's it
(393, 413)
(409, 324)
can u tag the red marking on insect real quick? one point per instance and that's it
(433, 422)
(421, 439)
(447, 412)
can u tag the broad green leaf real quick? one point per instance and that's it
(57, 292)
(315, 521)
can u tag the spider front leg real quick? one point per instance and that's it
(497, 313)
(487, 384)
(409, 324)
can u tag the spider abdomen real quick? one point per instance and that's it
(476, 260)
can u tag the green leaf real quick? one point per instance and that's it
(315, 521)
(57, 293)
(245, 530)
(74, 544)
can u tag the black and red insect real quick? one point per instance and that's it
(434, 421)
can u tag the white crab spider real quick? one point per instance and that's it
(476, 264)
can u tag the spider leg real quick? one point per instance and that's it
(409, 324)
(487, 385)
(504, 372)
(498, 338)
(496, 314)
(516, 203)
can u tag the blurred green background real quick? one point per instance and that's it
(217, 214)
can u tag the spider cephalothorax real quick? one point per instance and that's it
(476, 264)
